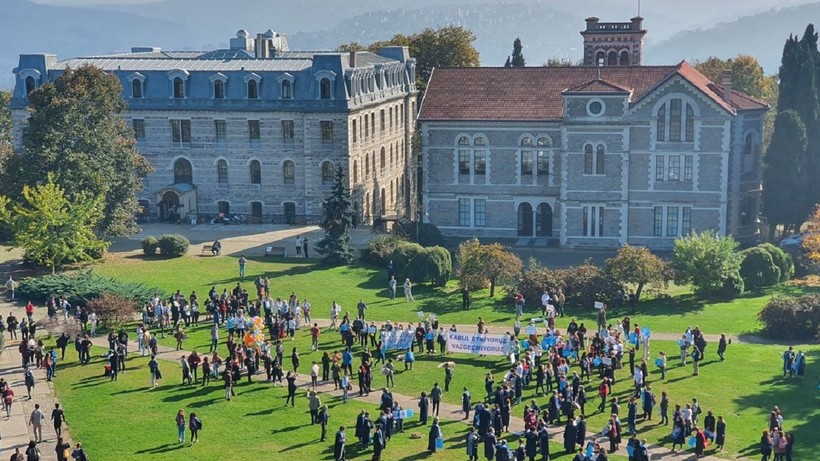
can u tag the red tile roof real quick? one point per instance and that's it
(535, 93)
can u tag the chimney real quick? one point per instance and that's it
(261, 47)
(353, 59)
(726, 85)
(592, 23)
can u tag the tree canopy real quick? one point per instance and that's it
(448, 46)
(706, 260)
(517, 57)
(784, 202)
(638, 266)
(337, 219)
(482, 265)
(77, 132)
(53, 229)
(6, 141)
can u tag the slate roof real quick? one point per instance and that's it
(536, 93)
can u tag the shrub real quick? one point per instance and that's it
(588, 283)
(173, 245)
(428, 235)
(81, 286)
(533, 280)
(402, 255)
(781, 259)
(431, 264)
(792, 318)
(150, 245)
(733, 286)
(380, 249)
(758, 269)
(113, 310)
(705, 260)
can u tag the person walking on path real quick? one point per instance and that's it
(721, 350)
(180, 420)
(36, 421)
(58, 418)
(10, 286)
(242, 262)
(435, 397)
(408, 291)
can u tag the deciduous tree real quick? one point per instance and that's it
(76, 129)
(706, 260)
(51, 228)
(482, 265)
(638, 266)
(337, 219)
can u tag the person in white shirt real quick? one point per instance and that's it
(545, 300)
(334, 315)
(36, 421)
(306, 310)
(408, 291)
(93, 319)
(298, 246)
(10, 286)
(638, 379)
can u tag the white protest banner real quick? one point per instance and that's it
(531, 330)
(482, 344)
(398, 339)
(599, 305)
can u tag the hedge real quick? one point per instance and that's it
(173, 245)
(150, 245)
(81, 286)
(792, 318)
(758, 269)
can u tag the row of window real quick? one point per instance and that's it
(668, 167)
(472, 212)
(391, 118)
(672, 221)
(397, 154)
(183, 172)
(676, 122)
(219, 83)
(181, 132)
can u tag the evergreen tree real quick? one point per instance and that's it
(507, 63)
(783, 173)
(517, 54)
(337, 220)
(76, 131)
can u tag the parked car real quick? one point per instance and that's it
(793, 240)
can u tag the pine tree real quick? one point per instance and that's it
(507, 63)
(517, 54)
(783, 169)
(337, 220)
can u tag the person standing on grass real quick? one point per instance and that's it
(58, 418)
(765, 446)
(339, 445)
(314, 340)
(391, 288)
(721, 350)
(195, 425)
(153, 367)
(10, 287)
(408, 291)
(314, 404)
(242, 263)
(696, 355)
(291, 379)
(227, 378)
(435, 397)
(79, 453)
(788, 361)
(434, 436)
(180, 421)
(214, 338)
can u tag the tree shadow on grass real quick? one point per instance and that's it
(199, 391)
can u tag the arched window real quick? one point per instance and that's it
(612, 58)
(600, 58)
(179, 88)
(219, 89)
(324, 88)
(256, 172)
(222, 171)
(480, 141)
(543, 155)
(599, 159)
(464, 141)
(624, 58)
(327, 173)
(690, 124)
(674, 119)
(366, 165)
(289, 172)
(183, 172)
(136, 89)
(287, 89)
(253, 89)
(382, 157)
(588, 159)
(30, 85)
(355, 172)
(661, 128)
(526, 157)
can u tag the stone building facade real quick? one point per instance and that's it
(257, 129)
(590, 156)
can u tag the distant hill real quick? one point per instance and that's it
(761, 35)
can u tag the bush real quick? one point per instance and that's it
(380, 249)
(792, 318)
(781, 259)
(402, 255)
(428, 234)
(173, 245)
(705, 260)
(758, 270)
(113, 310)
(733, 286)
(582, 285)
(432, 264)
(533, 280)
(150, 245)
(81, 286)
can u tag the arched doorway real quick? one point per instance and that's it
(543, 220)
(525, 224)
(169, 207)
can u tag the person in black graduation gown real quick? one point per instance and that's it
(531, 438)
(569, 436)
(378, 443)
(339, 445)
(490, 443)
(433, 435)
(544, 442)
(520, 452)
(581, 430)
(484, 419)
(498, 423)
(424, 408)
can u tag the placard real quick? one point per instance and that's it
(599, 305)
(398, 339)
(420, 314)
(483, 344)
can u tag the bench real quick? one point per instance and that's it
(276, 251)
(207, 248)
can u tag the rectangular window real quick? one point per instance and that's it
(254, 134)
(659, 168)
(480, 159)
(382, 121)
(464, 212)
(181, 132)
(138, 125)
(221, 130)
(687, 168)
(672, 221)
(686, 221)
(585, 217)
(480, 212)
(658, 221)
(674, 119)
(327, 132)
(355, 133)
(674, 168)
(464, 161)
(390, 113)
(373, 125)
(543, 163)
(287, 131)
(366, 127)
(593, 221)
(526, 163)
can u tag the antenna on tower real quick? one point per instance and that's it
(639, 8)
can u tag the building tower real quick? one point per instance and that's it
(613, 43)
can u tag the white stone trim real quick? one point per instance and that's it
(135, 76)
(603, 108)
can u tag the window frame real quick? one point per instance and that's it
(255, 133)
(221, 132)
(180, 132)
(255, 172)
(464, 212)
(326, 128)
(479, 212)
(288, 131)
(222, 172)
(138, 127)
(328, 171)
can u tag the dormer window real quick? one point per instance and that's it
(218, 82)
(137, 85)
(252, 82)
(324, 80)
(324, 88)
(178, 78)
(286, 82)
(179, 88)
(30, 85)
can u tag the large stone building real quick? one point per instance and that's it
(591, 156)
(257, 129)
